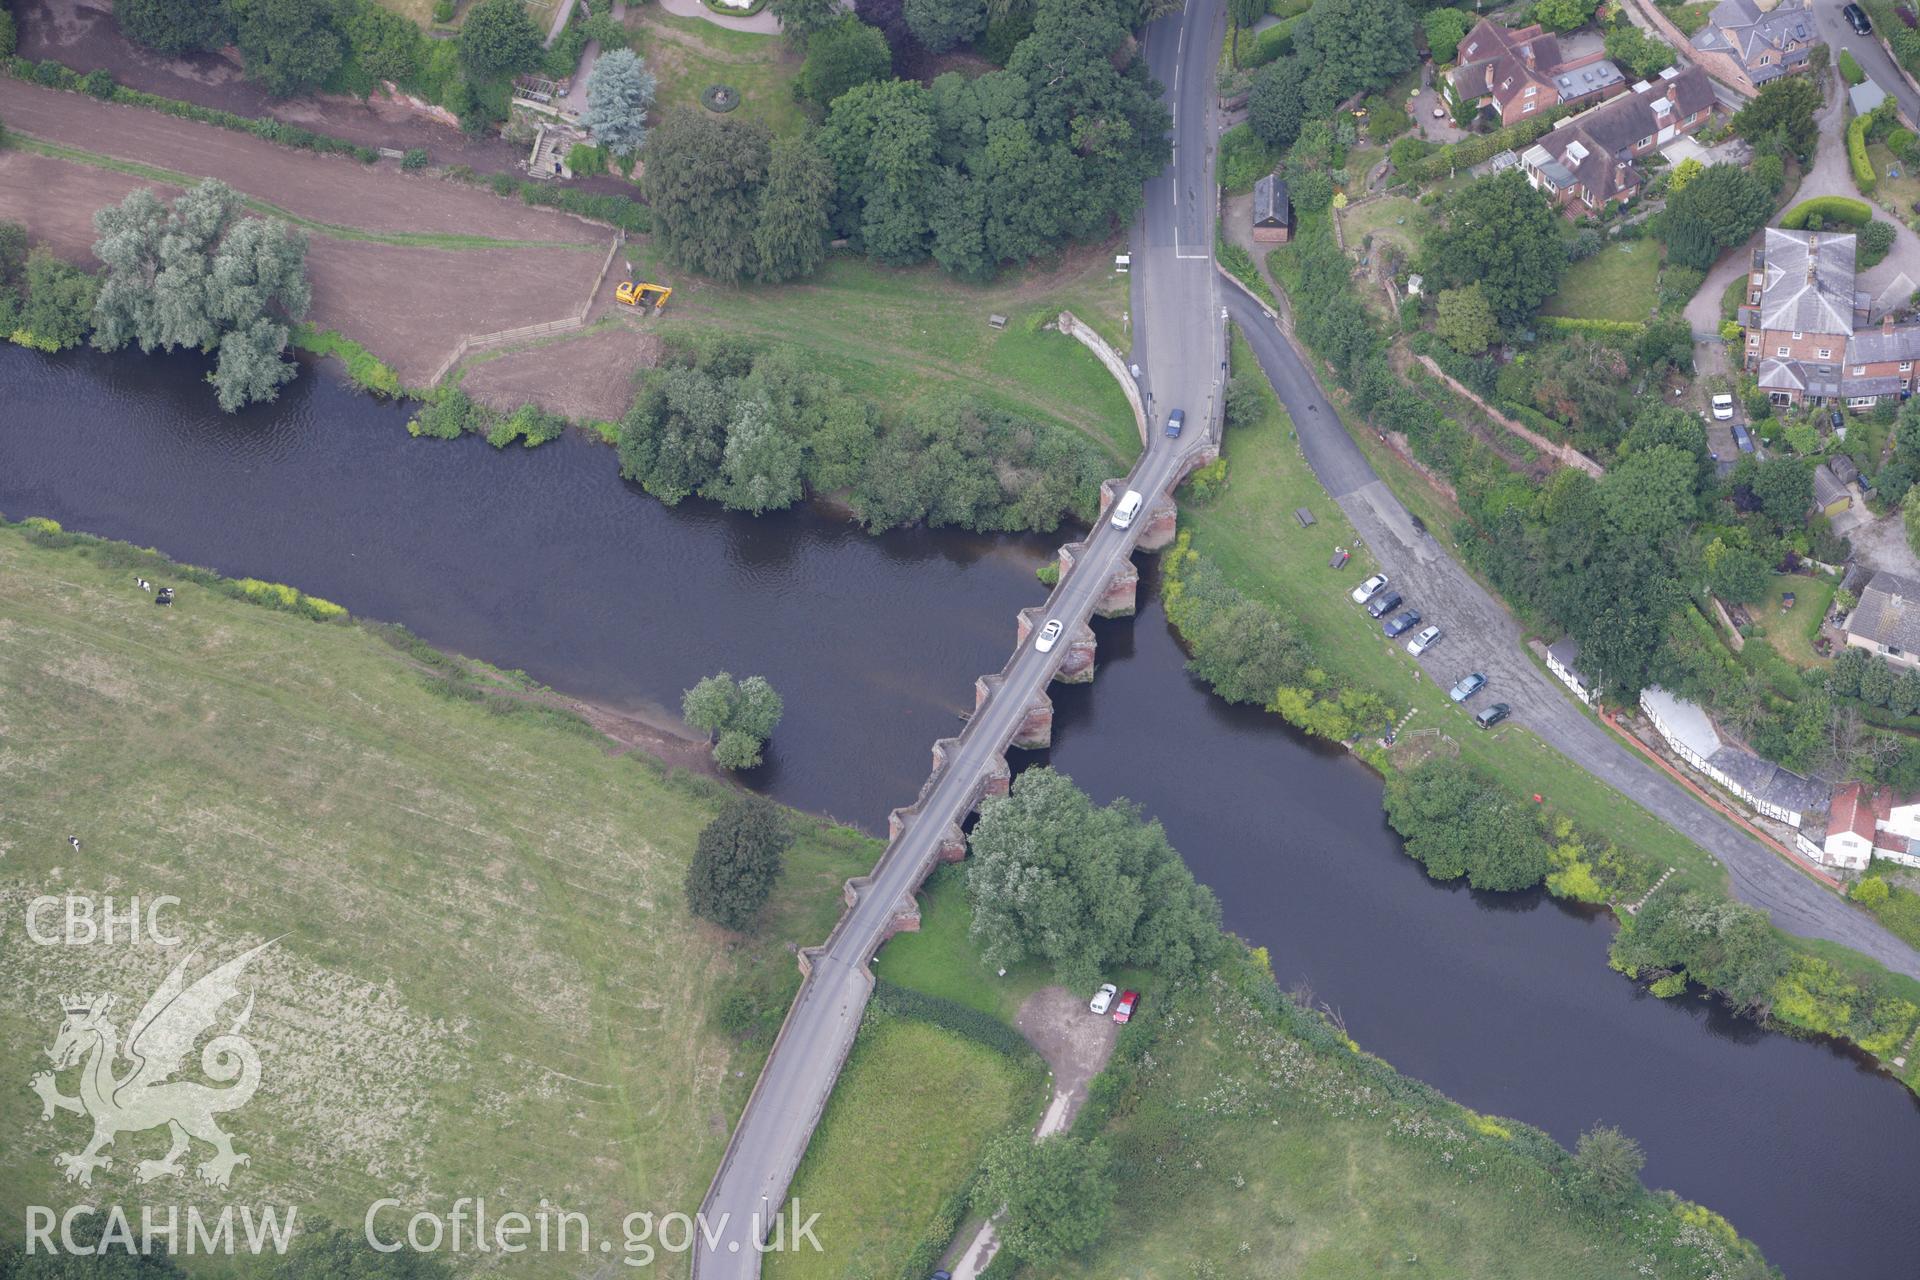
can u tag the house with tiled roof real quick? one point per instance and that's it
(1587, 161)
(1762, 44)
(1886, 621)
(1864, 825)
(1770, 789)
(1808, 336)
(1519, 73)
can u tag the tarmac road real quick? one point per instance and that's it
(1482, 636)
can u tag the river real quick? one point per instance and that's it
(545, 560)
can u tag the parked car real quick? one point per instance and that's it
(1103, 998)
(1468, 686)
(1428, 637)
(1723, 408)
(1742, 438)
(1124, 1010)
(1401, 623)
(1857, 19)
(1381, 606)
(1493, 715)
(1049, 635)
(1366, 590)
(1837, 420)
(1175, 421)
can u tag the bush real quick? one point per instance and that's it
(981, 1028)
(1850, 70)
(443, 10)
(8, 35)
(1863, 174)
(1876, 241)
(1244, 159)
(99, 83)
(1856, 213)
(414, 159)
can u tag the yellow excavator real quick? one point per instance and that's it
(644, 297)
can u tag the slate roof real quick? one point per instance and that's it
(1566, 652)
(1797, 375)
(1886, 385)
(1843, 468)
(1870, 346)
(1865, 97)
(1827, 487)
(1809, 284)
(1272, 207)
(1740, 27)
(1770, 782)
(1889, 612)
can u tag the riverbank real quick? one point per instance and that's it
(1588, 845)
(485, 950)
(1253, 1137)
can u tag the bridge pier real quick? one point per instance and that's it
(1077, 666)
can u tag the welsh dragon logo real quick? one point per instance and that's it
(142, 1098)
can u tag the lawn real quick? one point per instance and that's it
(1792, 634)
(1616, 283)
(688, 54)
(1896, 195)
(903, 1132)
(901, 335)
(1688, 17)
(1251, 534)
(487, 981)
(1394, 218)
(941, 960)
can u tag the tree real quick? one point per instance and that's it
(736, 862)
(790, 234)
(1455, 824)
(1562, 15)
(498, 38)
(175, 26)
(673, 438)
(1876, 684)
(1503, 235)
(1649, 494)
(57, 306)
(1683, 173)
(1446, 28)
(1606, 1167)
(619, 95)
(880, 137)
(1276, 105)
(1640, 54)
(1737, 574)
(941, 25)
(800, 19)
(1465, 321)
(743, 714)
(386, 45)
(194, 274)
(1782, 486)
(840, 56)
(1082, 888)
(1715, 211)
(703, 180)
(1910, 516)
(762, 465)
(291, 46)
(1057, 1193)
(890, 17)
(1784, 108)
(1351, 45)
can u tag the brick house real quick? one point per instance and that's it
(1862, 826)
(1520, 73)
(1761, 44)
(1807, 339)
(1586, 162)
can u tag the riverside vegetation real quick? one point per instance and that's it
(1238, 589)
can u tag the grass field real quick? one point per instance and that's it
(1616, 283)
(688, 54)
(1792, 634)
(487, 982)
(1299, 1159)
(902, 335)
(904, 1131)
(941, 960)
(1394, 218)
(1251, 534)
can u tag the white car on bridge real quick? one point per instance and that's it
(1049, 635)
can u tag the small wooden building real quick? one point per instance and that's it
(1272, 211)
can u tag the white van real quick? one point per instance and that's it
(1127, 508)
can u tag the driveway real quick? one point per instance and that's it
(1869, 53)
(763, 22)
(1482, 636)
(1896, 277)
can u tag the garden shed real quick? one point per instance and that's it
(1272, 211)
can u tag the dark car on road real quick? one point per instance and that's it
(1175, 421)
(1857, 19)
(1493, 715)
(1401, 623)
(1381, 606)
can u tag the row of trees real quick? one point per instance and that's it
(756, 431)
(1341, 47)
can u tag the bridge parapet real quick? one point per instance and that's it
(1077, 666)
(1156, 522)
(1118, 600)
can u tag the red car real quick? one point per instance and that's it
(1124, 1010)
